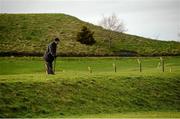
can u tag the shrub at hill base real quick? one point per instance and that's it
(85, 36)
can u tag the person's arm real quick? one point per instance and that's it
(52, 49)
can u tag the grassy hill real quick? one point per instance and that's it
(29, 34)
(25, 90)
(106, 94)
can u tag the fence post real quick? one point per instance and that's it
(90, 70)
(162, 63)
(114, 66)
(140, 65)
(170, 69)
(159, 64)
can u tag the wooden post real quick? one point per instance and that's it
(162, 63)
(114, 66)
(140, 65)
(170, 69)
(159, 64)
(90, 70)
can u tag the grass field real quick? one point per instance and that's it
(26, 91)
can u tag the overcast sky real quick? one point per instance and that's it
(149, 18)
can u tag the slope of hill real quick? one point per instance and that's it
(29, 34)
(91, 95)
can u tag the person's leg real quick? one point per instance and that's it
(46, 67)
(49, 68)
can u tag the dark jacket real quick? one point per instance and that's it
(50, 53)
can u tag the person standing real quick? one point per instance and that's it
(50, 55)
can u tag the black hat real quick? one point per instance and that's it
(56, 39)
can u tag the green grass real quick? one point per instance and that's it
(141, 115)
(29, 65)
(26, 91)
(30, 33)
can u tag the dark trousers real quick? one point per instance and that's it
(49, 67)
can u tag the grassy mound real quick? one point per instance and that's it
(91, 95)
(29, 34)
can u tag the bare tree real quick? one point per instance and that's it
(157, 36)
(112, 23)
(179, 35)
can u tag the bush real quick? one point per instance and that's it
(85, 36)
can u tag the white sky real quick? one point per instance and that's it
(149, 18)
